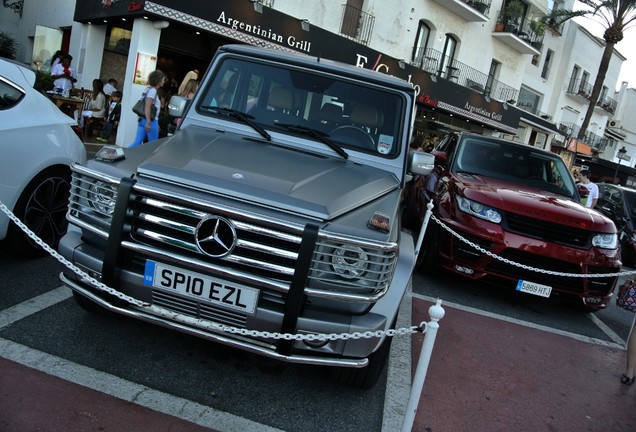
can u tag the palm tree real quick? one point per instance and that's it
(615, 17)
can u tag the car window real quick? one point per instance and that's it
(351, 114)
(514, 163)
(630, 198)
(10, 96)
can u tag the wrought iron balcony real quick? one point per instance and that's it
(607, 103)
(356, 24)
(433, 62)
(534, 110)
(470, 10)
(518, 34)
(580, 89)
(598, 143)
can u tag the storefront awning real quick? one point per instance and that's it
(538, 122)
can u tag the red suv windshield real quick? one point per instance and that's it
(514, 163)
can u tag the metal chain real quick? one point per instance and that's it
(209, 324)
(526, 267)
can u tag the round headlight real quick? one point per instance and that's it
(101, 196)
(350, 262)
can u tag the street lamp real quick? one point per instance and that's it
(621, 154)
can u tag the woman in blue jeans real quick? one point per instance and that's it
(148, 125)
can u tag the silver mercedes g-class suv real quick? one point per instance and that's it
(275, 207)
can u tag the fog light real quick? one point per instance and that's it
(464, 270)
(316, 343)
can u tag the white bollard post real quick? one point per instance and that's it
(436, 312)
(420, 238)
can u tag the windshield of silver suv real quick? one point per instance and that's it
(332, 110)
(515, 163)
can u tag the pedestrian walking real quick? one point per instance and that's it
(148, 126)
(592, 196)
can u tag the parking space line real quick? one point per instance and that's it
(523, 323)
(129, 391)
(33, 305)
(398, 386)
(607, 330)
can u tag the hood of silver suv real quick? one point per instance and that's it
(266, 173)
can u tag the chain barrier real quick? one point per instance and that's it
(208, 324)
(523, 266)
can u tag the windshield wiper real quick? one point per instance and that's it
(321, 136)
(245, 118)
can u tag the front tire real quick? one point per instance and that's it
(42, 208)
(426, 260)
(365, 378)
(88, 305)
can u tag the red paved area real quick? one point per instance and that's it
(31, 400)
(491, 375)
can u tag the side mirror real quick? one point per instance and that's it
(420, 163)
(177, 106)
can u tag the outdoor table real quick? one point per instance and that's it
(60, 100)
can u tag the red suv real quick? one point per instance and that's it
(519, 203)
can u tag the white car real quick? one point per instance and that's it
(38, 142)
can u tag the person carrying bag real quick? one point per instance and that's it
(626, 299)
(148, 108)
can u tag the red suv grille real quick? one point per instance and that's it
(548, 231)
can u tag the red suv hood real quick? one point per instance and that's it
(530, 201)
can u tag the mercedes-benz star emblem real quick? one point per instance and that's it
(215, 236)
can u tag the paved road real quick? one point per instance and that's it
(510, 374)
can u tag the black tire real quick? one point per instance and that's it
(42, 208)
(88, 305)
(365, 378)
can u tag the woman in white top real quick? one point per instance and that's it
(97, 105)
(148, 125)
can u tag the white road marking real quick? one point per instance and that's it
(523, 323)
(107, 383)
(33, 305)
(128, 391)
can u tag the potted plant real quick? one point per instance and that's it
(537, 31)
(480, 6)
(512, 14)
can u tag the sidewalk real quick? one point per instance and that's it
(31, 400)
(491, 375)
(485, 375)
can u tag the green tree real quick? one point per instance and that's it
(615, 16)
(8, 46)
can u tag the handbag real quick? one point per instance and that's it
(626, 295)
(140, 107)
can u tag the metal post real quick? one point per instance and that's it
(621, 153)
(436, 312)
(420, 237)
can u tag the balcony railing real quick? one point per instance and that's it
(580, 87)
(433, 62)
(356, 24)
(519, 31)
(534, 110)
(470, 10)
(597, 142)
(583, 89)
(607, 103)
